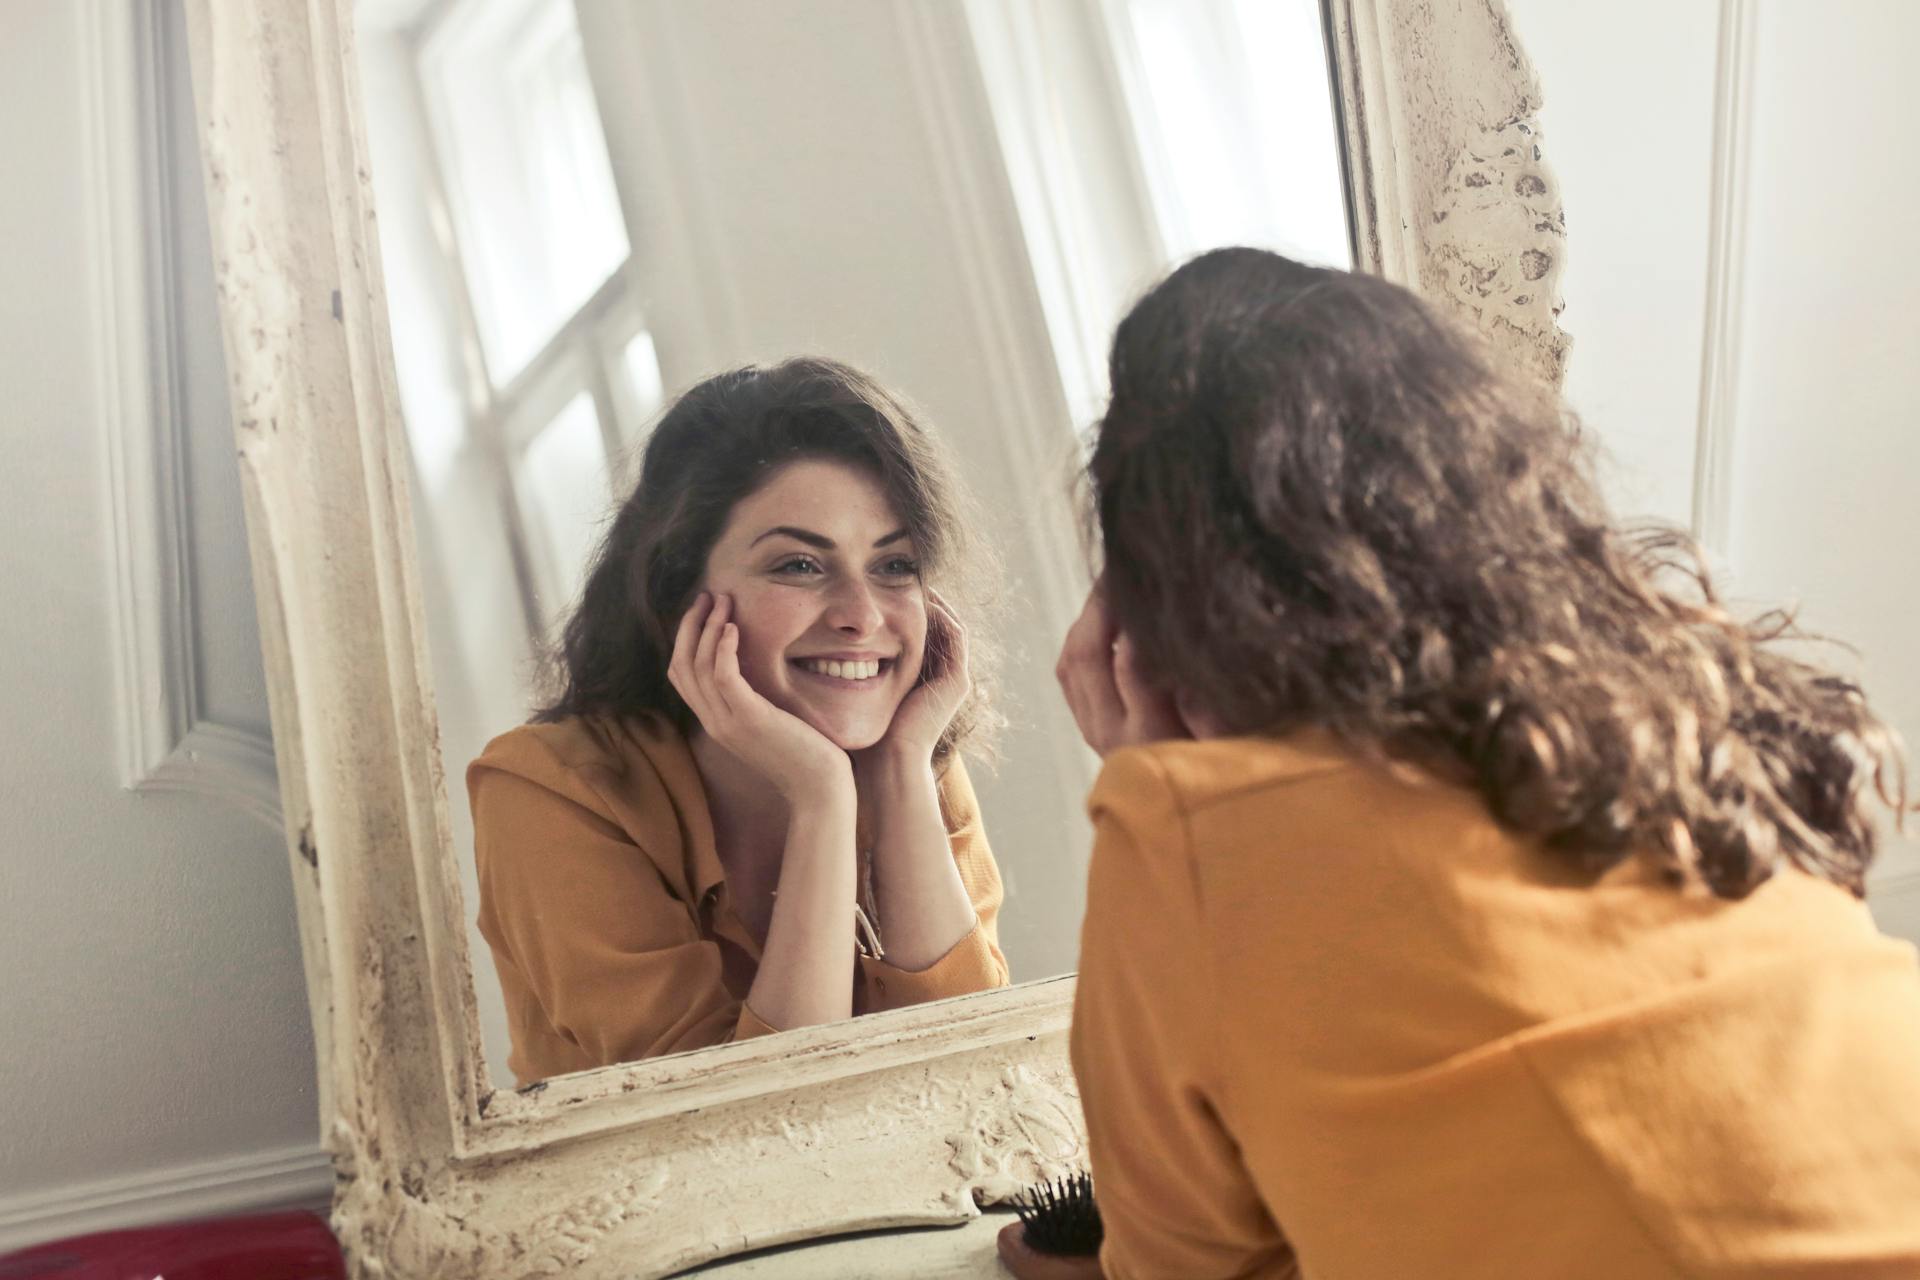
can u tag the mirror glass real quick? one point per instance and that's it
(586, 209)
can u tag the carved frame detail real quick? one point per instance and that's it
(910, 1117)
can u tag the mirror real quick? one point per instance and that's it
(919, 1115)
(585, 209)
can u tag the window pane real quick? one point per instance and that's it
(1237, 128)
(642, 366)
(562, 484)
(525, 163)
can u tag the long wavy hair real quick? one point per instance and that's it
(1322, 504)
(719, 442)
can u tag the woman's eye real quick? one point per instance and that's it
(799, 567)
(900, 567)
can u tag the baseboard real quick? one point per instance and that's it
(299, 1177)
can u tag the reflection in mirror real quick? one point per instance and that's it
(589, 215)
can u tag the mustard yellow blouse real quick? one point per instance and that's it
(608, 912)
(1332, 1020)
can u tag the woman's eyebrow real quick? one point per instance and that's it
(821, 541)
(807, 536)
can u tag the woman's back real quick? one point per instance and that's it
(1333, 1005)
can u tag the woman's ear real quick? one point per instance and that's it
(1200, 724)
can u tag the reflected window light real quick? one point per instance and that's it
(562, 485)
(537, 216)
(1138, 133)
(434, 419)
(432, 411)
(1232, 106)
(641, 364)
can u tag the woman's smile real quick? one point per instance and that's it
(845, 673)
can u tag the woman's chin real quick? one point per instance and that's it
(850, 728)
(849, 733)
(852, 737)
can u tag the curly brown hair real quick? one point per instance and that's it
(1321, 503)
(719, 442)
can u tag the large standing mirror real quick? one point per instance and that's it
(468, 252)
(587, 208)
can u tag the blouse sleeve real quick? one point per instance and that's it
(975, 963)
(1173, 1194)
(612, 957)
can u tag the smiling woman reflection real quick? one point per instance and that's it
(745, 811)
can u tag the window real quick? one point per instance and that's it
(1231, 104)
(533, 371)
(525, 164)
(562, 484)
(1137, 133)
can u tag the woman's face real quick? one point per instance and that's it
(826, 592)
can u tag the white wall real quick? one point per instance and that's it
(155, 1053)
(1826, 457)
(1629, 132)
(1821, 390)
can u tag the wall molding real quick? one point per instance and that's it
(1726, 248)
(165, 742)
(295, 1177)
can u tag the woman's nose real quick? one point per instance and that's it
(853, 610)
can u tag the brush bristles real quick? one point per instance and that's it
(1060, 1217)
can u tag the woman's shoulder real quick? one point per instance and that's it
(1187, 775)
(634, 776)
(555, 751)
(1294, 798)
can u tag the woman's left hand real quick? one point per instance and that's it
(1111, 699)
(929, 707)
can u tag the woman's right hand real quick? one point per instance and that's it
(796, 758)
(1110, 697)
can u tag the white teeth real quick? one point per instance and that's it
(843, 670)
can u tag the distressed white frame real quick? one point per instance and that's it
(908, 1117)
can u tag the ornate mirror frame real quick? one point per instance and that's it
(910, 1117)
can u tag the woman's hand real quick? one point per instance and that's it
(1028, 1263)
(799, 760)
(1111, 700)
(929, 707)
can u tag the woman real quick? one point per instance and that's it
(745, 810)
(1472, 895)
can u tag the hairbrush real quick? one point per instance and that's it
(1060, 1217)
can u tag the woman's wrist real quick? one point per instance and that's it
(889, 760)
(827, 794)
(826, 783)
